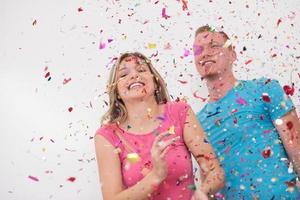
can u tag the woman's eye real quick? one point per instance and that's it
(123, 75)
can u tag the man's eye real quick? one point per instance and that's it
(141, 70)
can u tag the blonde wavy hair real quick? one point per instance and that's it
(117, 110)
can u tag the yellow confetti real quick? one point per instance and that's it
(149, 112)
(151, 45)
(171, 130)
(227, 43)
(133, 157)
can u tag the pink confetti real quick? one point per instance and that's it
(198, 97)
(248, 61)
(102, 45)
(186, 53)
(182, 82)
(33, 178)
(241, 101)
(163, 13)
(184, 5)
(67, 80)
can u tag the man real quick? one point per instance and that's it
(252, 125)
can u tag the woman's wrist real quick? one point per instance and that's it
(156, 179)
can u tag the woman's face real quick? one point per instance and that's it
(134, 79)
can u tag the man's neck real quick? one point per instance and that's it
(218, 86)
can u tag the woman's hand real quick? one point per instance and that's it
(158, 152)
(199, 195)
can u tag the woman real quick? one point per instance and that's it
(143, 147)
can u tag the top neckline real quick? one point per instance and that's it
(147, 133)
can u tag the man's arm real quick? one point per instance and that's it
(288, 127)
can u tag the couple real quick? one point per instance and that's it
(246, 140)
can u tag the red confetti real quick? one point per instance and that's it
(266, 98)
(266, 153)
(278, 22)
(289, 125)
(47, 75)
(80, 9)
(33, 178)
(71, 179)
(70, 109)
(247, 62)
(289, 90)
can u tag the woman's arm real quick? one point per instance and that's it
(196, 141)
(109, 167)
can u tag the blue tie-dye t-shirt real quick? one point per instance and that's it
(240, 128)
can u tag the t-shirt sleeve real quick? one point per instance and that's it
(108, 133)
(275, 100)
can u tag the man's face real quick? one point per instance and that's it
(212, 58)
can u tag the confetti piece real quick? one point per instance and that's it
(70, 109)
(47, 74)
(102, 45)
(241, 101)
(289, 90)
(133, 157)
(171, 130)
(247, 62)
(163, 14)
(182, 82)
(278, 22)
(151, 45)
(186, 53)
(184, 5)
(109, 40)
(33, 178)
(79, 9)
(34, 22)
(198, 97)
(71, 179)
(149, 113)
(289, 125)
(266, 153)
(266, 98)
(66, 80)
(278, 122)
(227, 43)
(197, 50)
(192, 187)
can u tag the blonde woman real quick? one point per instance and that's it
(145, 143)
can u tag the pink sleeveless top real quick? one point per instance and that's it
(180, 180)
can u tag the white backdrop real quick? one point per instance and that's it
(47, 124)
